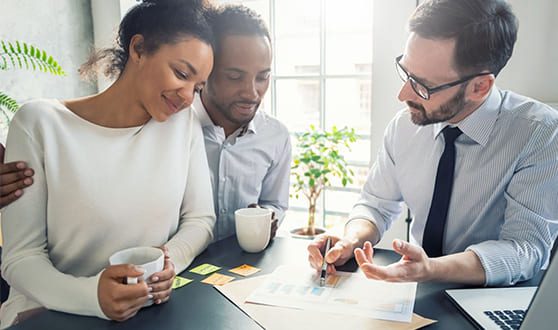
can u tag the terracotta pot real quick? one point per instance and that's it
(304, 233)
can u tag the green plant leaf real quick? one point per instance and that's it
(20, 55)
(7, 102)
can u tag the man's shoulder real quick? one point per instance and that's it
(518, 106)
(270, 124)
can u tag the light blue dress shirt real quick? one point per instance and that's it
(252, 165)
(504, 204)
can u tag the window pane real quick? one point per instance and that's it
(348, 104)
(360, 174)
(360, 152)
(297, 37)
(348, 37)
(298, 103)
(340, 201)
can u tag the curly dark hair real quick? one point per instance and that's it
(159, 22)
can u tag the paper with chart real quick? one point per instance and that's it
(344, 293)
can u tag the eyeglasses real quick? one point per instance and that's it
(421, 89)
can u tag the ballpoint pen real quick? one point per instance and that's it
(323, 274)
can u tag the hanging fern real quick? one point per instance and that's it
(20, 55)
(8, 103)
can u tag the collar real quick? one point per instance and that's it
(206, 121)
(479, 124)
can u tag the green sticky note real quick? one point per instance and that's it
(205, 269)
(180, 282)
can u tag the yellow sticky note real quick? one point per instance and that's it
(245, 270)
(218, 279)
(205, 269)
(180, 282)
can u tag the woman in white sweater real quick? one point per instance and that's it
(119, 169)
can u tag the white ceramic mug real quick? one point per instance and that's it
(253, 228)
(151, 259)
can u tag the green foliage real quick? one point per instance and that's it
(318, 160)
(20, 55)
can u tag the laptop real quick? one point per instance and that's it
(522, 308)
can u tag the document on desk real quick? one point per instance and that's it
(344, 293)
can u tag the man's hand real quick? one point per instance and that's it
(161, 282)
(341, 250)
(120, 301)
(14, 177)
(274, 221)
(414, 266)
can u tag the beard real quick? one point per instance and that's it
(228, 111)
(444, 113)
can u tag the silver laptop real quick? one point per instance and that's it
(513, 308)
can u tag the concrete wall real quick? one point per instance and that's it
(63, 28)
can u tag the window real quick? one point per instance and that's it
(322, 75)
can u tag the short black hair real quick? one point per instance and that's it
(236, 20)
(485, 31)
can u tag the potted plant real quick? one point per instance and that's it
(20, 55)
(318, 160)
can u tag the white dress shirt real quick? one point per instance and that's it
(504, 204)
(252, 165)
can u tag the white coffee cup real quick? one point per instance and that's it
(151, 259)
(253, 228)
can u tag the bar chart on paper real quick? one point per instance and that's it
(344, 293)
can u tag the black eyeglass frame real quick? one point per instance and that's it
(430, 91)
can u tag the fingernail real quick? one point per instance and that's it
(27, 181)
(158, 301)
(139, 269)
(155, 278)
(18, 193)
(150, 296)
(150, 288)
(20, 166)
(399, 243)
(28, 172)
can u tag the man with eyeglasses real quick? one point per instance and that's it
(478, 166)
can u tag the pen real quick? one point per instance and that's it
(324, 264)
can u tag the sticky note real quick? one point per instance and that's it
(218, 279)
(205, 269)
(180, 282)
(245, 270)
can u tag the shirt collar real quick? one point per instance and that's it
(479, 124)
(206, 121)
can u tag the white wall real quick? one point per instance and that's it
(63, 29)
(532, 70)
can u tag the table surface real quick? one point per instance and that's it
(200, 306)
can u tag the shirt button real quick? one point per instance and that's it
(223, 211)
(223, 179)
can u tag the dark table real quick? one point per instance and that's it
(200, 306)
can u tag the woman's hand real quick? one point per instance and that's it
(118, 300)
(161, 282)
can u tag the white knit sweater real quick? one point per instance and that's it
(98, 190)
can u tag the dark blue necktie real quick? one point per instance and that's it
(433, 238)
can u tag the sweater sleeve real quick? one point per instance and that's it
(26, 265)
(197, 215)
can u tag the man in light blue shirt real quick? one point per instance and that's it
(493, 216)
(248, 151)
